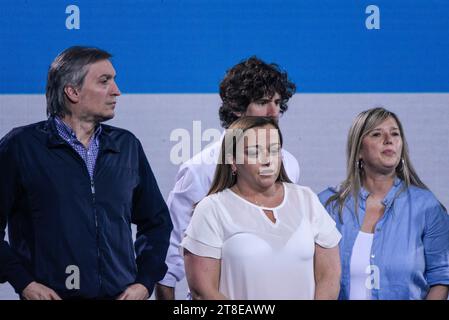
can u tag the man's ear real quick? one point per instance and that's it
(71, 93)
(238, 114)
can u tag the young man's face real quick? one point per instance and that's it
(97, 96)
(265, 107)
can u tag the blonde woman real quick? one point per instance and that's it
(256, 235)
(395, 233)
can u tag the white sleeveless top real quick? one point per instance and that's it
(360, 267)
(261, 259)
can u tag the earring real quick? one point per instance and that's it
(360, 164)
(402, 165)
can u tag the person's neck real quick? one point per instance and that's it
(378, 184)
(84, 130)
(248, 191)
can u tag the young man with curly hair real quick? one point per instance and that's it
(250, 88)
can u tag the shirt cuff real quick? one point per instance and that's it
(329, 239)
(168, 281)
(200, 249)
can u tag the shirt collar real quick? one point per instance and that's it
(363, 194)
(67, 133)
(391, 195)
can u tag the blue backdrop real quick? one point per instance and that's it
(175, 46)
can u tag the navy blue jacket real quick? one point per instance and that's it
(57, 217)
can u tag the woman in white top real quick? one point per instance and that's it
(256, 235)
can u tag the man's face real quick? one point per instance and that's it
(97, 96)
(265, 107)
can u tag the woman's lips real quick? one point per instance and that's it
(389, 152)
(266, 172)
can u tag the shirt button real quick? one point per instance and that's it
(372, 256)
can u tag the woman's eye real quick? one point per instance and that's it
(252, 153)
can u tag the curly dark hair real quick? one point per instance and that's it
(249, 81)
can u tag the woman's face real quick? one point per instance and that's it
(258, 158)
(382, 147)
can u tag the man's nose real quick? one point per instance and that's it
(115, 91)
(273, 109)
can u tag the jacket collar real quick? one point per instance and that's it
(107, 141)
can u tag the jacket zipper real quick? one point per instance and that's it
(92, 187)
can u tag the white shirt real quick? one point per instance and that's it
(192, 184)
(261, 259)
(359, 267)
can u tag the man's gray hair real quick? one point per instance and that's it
(69, 68)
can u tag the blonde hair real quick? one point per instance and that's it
(365, 122)
(223, 177)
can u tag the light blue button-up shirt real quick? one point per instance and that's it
(410, 250)
(89, 154)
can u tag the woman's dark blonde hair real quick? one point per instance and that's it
(362, 125)
(224, 177)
